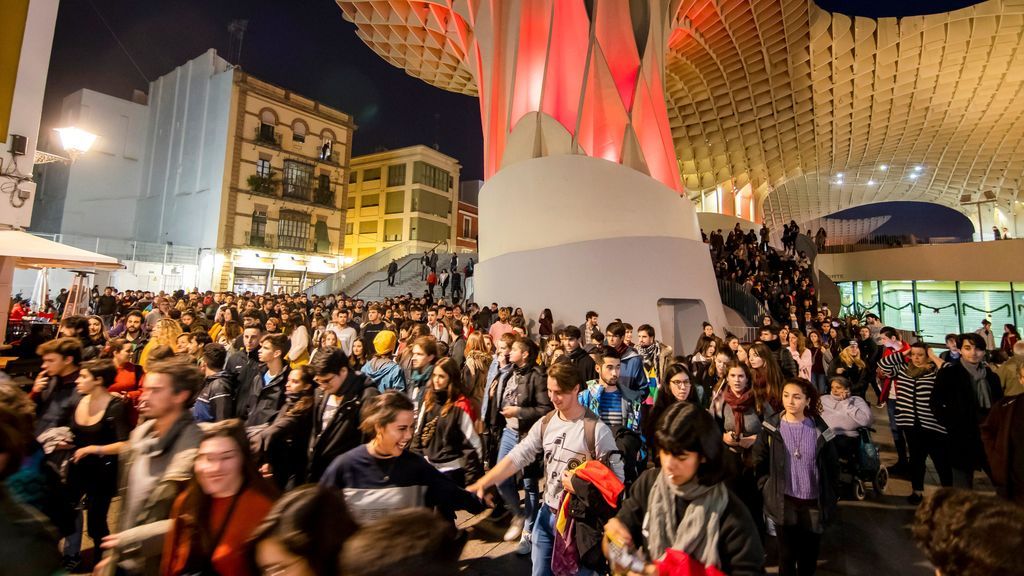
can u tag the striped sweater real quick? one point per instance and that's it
(913, 403)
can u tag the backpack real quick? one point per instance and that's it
(590, 421)
(995, 437)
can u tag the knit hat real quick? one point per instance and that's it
(384, 342)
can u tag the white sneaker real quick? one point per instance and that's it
(525, 545)
(515, 530)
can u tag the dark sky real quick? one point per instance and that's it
(301, 45)
(919, 218)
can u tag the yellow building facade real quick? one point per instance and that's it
(401, 195)
(287, 174)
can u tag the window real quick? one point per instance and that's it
(349, 228)
(299, 131)
(370, 200)
(396, 175)
(298, 179)
(426, 173)
(394, 202)
(353, 176)
(292, 230)
(431, 203)
(350, 201)
(322, 239)
(258, 228)
(265, 132)
(371, 174)
(427, 230)
(263, 168)
(393, 230)
(467, 227)
(368, 227)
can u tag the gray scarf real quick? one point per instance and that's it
(697, 532)
(978, 373)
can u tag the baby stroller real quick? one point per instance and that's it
(859, 463)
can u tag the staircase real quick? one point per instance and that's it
(367, 278)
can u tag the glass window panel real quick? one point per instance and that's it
(394, 202)
(867, 296)
(371, 174)
(981, 300)
(430, 203)
(936, 310)
(368, 227)
(392, 230)
(845, 298)
(371, 200)
(396, 175)
(898, 304)
(298, 179)
(428, 230)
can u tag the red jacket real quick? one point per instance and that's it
(888, 382)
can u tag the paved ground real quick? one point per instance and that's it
(871, 538)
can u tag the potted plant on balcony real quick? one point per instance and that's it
(262, 184)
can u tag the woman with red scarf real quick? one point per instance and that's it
(739, 412)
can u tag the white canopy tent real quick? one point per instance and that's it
(23, 250)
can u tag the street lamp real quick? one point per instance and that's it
(75, 141)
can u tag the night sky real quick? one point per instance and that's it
(302, 45)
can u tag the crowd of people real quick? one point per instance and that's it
(286, 434)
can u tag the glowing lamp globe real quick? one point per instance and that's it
(75, 141)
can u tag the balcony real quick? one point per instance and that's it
(297, 191)
(267, 136)
(265, 185)
(323, 196)
(288, 243)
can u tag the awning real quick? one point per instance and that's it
(32, 251)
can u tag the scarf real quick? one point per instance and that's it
(978, 373)
(696, 533)
(649, 354)
(740, 406)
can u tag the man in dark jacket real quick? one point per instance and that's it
(266, 393)
(517, 403)
(575, 354)
(243, 366)
(337, 404)
(54, 389)
(964, 393)
(215, 401)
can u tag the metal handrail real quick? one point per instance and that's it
(372, 264)
(380, 281)
(737, 297)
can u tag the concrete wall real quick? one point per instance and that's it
(182, 183)
(29, 83)
(1001, 261)
(80, 199)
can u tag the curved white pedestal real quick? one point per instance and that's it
(574, 233)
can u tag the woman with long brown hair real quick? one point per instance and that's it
(740, 412)
(478, 361)
(224, 503)
(766, 375)
(446, 429)
(283, 444)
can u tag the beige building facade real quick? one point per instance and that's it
(409, 194)
(286, 175)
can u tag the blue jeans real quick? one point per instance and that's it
(897, 434)
(510, 491)
(820, 382)
(544, 542)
